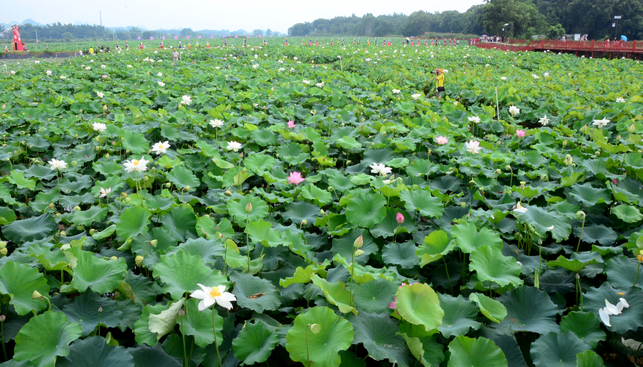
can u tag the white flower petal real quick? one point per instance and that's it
(605, 317)
(223, 303)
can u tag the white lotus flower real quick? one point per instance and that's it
(12, 72)
(503, 77)
(161, 147)
(255, 66)
(48, 72)
(129, 66)
(513, 110)
(161, 84)
(136, 165)
(305, 82)
(620, 100)
(534, 76)
(416, 96)
(100, 94)
(88, 68)
(99, 127)
(381, 169)
(474, 119)
(546, 75)
(320, 85)
(473, 146)
(55, 164)
(104, 192)
(213, 295)
(234, 146)
(601, 123)
(281, 69)
(36, 62)
(544, 120)
(520, 209)
(396, 91)
(186, 100)
(216, 123)
(63, 77)
(159, 74)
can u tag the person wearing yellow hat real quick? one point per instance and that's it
(439, 82)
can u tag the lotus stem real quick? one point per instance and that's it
(637, 274)
(581, 235)
(185, 356)
(214, 327)
(307, 347)
(446, 270)
(4, 349)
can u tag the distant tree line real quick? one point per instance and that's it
(511, 18)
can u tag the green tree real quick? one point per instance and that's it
(384, 28)
(555, 31)
(257, 32)
(268, 32)
(518, 15)
(418, 23)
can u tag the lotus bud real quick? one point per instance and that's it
(74, 163)
(507, 168)
(127, 151)
(168, 184)
(359, 253)
(540, 241)
(153, 243)
(509, 191)
(322, 212)
(304, 222)
(2, 318)
(107, 155)
(3, 244)
(100, 309)
(127, 200)
(580, 215)
(359, 242)
(113, 258)
(564, 143)
(248, 207)
(36, 295)
(568, 159)
(92, 232)
(631, 129)
(544, 177)
(228, 192)
(76, 208)
(577, 276)
(186, 188)
(584, 129)
(104, 107)
(52, 206)
(63, 233)
(3, 252)
(65, 247)
(138, 260)
(315, 328)
(57, 215)
(399, 218)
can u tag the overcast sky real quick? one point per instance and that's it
(278, 15)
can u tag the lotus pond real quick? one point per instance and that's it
(318, 206)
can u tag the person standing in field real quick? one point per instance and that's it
(175, 55)
(439, 82)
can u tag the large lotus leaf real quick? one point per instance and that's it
(627, 213)
(316, 195)
(44, 338)
(389, 226)
(255, 343)
(207, 227)
(491, 265)
(621, 272)
(164, 322)
(145, 356)
(589, 358)
(135, 142)
(468, 238)
(199, 324)
(133, 222)
(419, 305)
(85, 311)
(157, 203)
(182, 272)
(435, 246)
(366, 210)
(478, 352)
(298, 211)
(208, 250)
(142, 332)
(31, 229)
(7, 215)
(183, 178)
(557, 349)
(529, 309)
(94, 352)
(344, 245)
(18, 281)
(490, 308)
(89, 216)
(335, 293)
(18, 178)
(100, 275)
(585, 325)
(139, 288)
(542, 219)
(630, 319)
(575, 265)
(180, 222)
(423, 344)
(378, 333)
(423, 202)
(402, 254)
(238, 209)
(235, 176)
(263, 137)
(375, 296)
(590, 196)
(262, 231)
(459, 315)
(320, 348)
(260, 163)
(597, 233)
(255, 293)
(507, 342)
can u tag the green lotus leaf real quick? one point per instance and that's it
(491, 265)
(459, 316)
(321, 348)
(301, 276)
(263, 137)
(44, 338)
(135, 142)
(157, 204)
(389, 226)
(51, 260)
(542, 220)
(423, 344)
(85, 311)
(621, 272)
(183, 178)
(19, 281)
(468, 238)
(94, 352)
(529, 309)
(630, 319)
(18, 178)
(627, 213)
(335, 293)
(31, 229)
(133, 222)
(316, 195)
(255, 343)
(255, 293)
(163, 323)
(262, 231)
(557, 349)
(597, 233)
(585, 325)
(419, 305)
(198, 324)
(236, 176)
(478, 352)
(590, 196)
(490, 308)
(104, 233)
(7, 216)
(423, 202)
(378, 333)
(100, 275)
(208, 227)
(348, 143)
(145, 356)
(574, 265)
(180, 222)
(299, 211)
(375, 296)
(238, 209)
(366, 210)
(259, 163)
(141, 329)
(589, 358)
(181, 272)
(435, 246)
(208, 250)
(87, 217)
(402, 254)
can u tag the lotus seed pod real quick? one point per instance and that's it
(127, 200)
(63, 233)
(127, 151)
(498, 171)
(77, 208)
(359, 253)
(65, 247)
(568, 159)
(74, 163)
(544, 177)
(51, 206)
(315, 328)
(3, 252)
(463, 204)
(507, 168)
(153, 243)
(168, 184)
(3, 244)
(248, 207)
(92, 232)
(228, 192)
(138, 260)
(322, 212)
(57, 215)
(304, 222)
(584, 129)
(580, 215)
(186, 188)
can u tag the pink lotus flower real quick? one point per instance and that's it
(520, 133)
(399, 218)
(441, 140)
(104, 76)
(295, 178)
(291, 124)
(392, 305)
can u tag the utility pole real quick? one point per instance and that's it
(100, 14)
(36, 36)
(615, 24)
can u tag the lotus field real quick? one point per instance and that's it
(319, 206)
